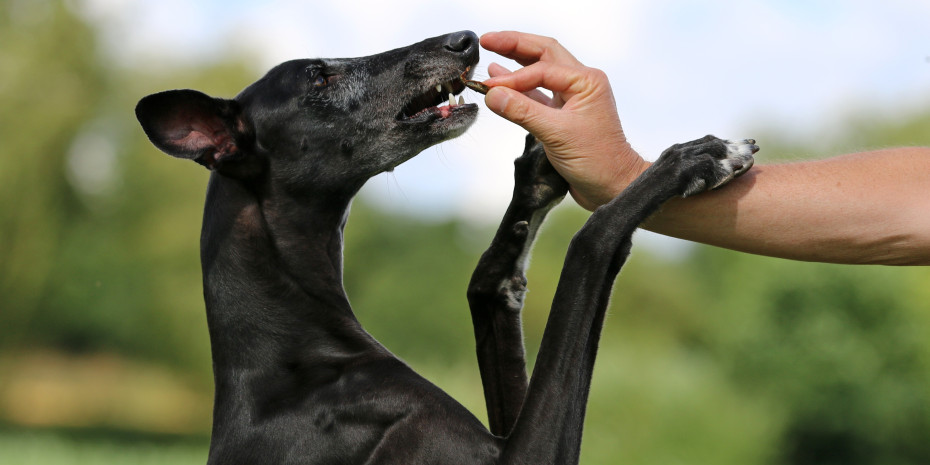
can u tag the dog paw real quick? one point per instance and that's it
(709, 163)
(537, 184)
(737, 161)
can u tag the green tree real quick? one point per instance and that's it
(47, 97)
(98, 230)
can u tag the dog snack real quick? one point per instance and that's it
(476, 86)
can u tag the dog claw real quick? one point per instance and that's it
(739, 160)
(723, 181)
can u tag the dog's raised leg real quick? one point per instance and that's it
(498, 285)
(548, 428)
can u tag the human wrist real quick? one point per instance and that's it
(628, 165)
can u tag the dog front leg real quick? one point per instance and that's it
(498, 286)
(548, 429)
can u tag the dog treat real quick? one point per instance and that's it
(476, 86)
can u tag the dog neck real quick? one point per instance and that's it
(272, 275)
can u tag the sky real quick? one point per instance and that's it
(679, 69)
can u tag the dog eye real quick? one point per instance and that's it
(317, 77)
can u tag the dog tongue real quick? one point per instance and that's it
(445, 111)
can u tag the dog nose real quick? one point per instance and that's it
(463, 42)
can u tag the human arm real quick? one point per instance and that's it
(868, 207)
(862, 208)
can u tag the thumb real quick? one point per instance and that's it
(531, 115)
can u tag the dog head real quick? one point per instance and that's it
(322, 124)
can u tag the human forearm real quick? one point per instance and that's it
(869, 207)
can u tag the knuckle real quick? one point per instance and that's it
(549, 45)
(597, 75)
(549, 42)
(592, 79)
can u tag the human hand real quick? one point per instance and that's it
(578, 125)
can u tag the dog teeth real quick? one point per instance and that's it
(461, 100)
(451, 100)
(438, 87)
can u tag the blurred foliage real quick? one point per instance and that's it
(711, 358)
(96, 233)
(47, 96)
(98, 447)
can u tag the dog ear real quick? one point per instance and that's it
(192, 125)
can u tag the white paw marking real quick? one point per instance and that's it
(739, 159)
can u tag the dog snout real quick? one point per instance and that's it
(464, 42)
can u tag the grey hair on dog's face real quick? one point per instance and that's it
(372, 112)
(322, 125)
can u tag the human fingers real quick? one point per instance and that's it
(564, 81)
(495, 69)
(536, 117)
(526, 48)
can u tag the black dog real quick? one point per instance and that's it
(297, 378)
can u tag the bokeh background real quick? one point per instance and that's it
(708, 357)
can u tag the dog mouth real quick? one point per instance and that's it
(437, 103)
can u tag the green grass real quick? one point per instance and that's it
(27, 447)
